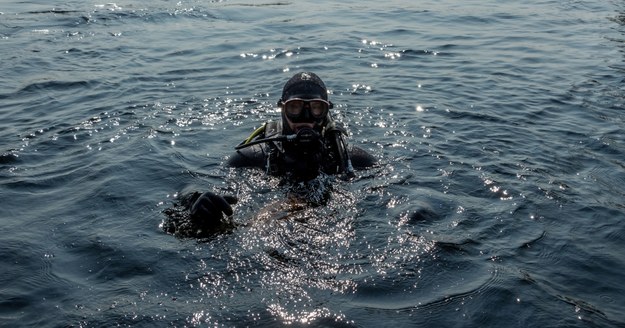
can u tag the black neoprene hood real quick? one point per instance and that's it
(304, 83)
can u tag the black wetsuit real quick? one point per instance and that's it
(303, 160)
(200, 215)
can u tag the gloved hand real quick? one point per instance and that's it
(210, 207)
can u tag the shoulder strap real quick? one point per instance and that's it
(273, 128)
(338, 146)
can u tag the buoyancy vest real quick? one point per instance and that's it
(328, 154)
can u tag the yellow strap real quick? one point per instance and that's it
(255, 133)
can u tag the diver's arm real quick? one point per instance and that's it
(199, 214)
(207, 209)
(210, 206)
(206, 205)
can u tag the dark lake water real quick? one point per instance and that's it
(499, 200)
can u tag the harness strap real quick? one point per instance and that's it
(273, 128)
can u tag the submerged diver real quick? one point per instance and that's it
(306, 143)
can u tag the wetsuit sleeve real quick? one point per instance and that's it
(361, 159)
(253, 156)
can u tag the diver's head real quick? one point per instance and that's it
(304, 103)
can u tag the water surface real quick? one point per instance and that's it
(498, 200)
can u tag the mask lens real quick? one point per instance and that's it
(294, 108)
(318, 108)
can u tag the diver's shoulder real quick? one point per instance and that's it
(361, 159)
(252, 156)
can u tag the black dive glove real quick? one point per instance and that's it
(210, 207)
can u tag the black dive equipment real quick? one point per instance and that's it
(306, 140)
(303, 137)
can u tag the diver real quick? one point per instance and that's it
(304, 144)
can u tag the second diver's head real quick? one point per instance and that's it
(304, 103)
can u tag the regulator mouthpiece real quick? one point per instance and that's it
(306, 136)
